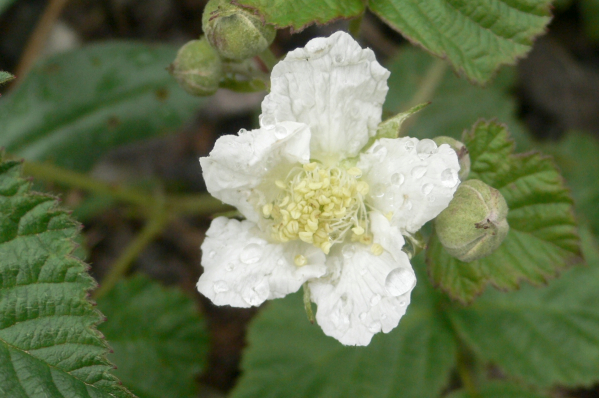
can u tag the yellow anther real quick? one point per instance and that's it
(296, 214)
(376, 249)
(300, 260)
(366, 239)
(315, 185)
(362, 188)
(355, 172)
(389, 215)
(326, 247)
(306, 237)
(310, 166)
(323, 200)
(358, 230)
(311, 226)
(284, 202)
(267, 210)
(293, 227)
(280, 184)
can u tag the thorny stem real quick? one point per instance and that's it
(151, 230)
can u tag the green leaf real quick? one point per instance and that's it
(48, 343)
(499, 390)
(73, 107)
(576, 156)
(159, 340)
(289, 357)
(476, 36)
(455, 104)
(299, 14)
(544, 336)
(543, 237)
(5, 77)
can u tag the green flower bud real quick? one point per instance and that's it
(197, 68)
(474, 224)
(234, 31)
(461, 150)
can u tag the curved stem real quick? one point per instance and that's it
(149, 232)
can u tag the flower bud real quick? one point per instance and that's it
(461, 150)
(474, 224)
(234, 31)
(197, 68)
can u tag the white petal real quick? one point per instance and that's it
(239, 164)
(370, 295)
(415, 180)
(242, 270)
(334, 86)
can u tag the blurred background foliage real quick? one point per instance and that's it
(93, 98)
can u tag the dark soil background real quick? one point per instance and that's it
(558, 90)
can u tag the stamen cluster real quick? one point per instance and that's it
(320, 206)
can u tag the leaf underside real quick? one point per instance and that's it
(543, 238)
(49, 346)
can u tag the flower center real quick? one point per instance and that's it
(320, 206)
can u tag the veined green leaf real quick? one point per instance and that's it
(5, 77)
(48, 343)
(299, 14)
(159, 341)
(543, 336)
(543, 237)
(73, 107)
(476, 36)
(289, 357)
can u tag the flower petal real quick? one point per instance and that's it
(371, 293)
(243, 270)
(414, 180)
(334, 86)
(240, 163)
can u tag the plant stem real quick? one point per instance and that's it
(153, 228)
(200, 205)
(268, 59)
(465, 374)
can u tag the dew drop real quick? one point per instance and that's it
(431, 198)
(363, 316)
(363, 271)
(256, 295)
(418, 172)
(449, 178)
(267, 121)
(390, 196)
(281, 262)
(374, 327)
(400, 281)
(220, 287)
(427, 188)
(409, 145)
(397, 179)
(339, 318)
(384, 316)
(378, 190)
(251, 254)
(230, 267)
(380, 152)
(338, 58)
(426, 148)
(407, 204)
(374, 300)
(242, 131)
(281, 132)
(348, 251)
(402, 303)
(212, 254)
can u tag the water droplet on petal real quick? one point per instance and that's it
(426, 148)
(212, 254)
(431, 198)
(378, 190)
(220, 287)
(402, 303)
(374, 300)
(339, 318)
(409, 145)
(390, 196)
(281, 262)
(418, 172)
(407, 204)
(397, 179)
(348, 251)
(230, 267)
(363, 271)
(384, 316)
(363, 316)
(427, 188)
(400, 281)
(267, 121)
(338, 58)
(256, 295)
(281, 132)
(449, 178)
(242, 131)
(380, 152)
(251, 254)
(374, 327)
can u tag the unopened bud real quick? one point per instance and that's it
(461, 150)
(474, 224)
(234, 31)
(197, 68)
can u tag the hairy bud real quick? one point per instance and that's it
(474, 224)
(461, 150)
(197, 68)
(235, 32)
